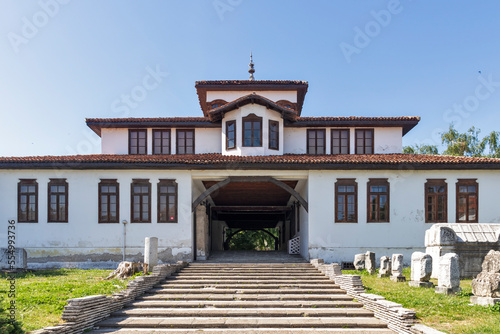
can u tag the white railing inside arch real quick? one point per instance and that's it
(294, 245)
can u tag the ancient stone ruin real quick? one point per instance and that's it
(486, 286)
(449, 274)
(385, 267)
(470, 241)
(421, 269)
(359, 261)
(397, 268)
(370, 262)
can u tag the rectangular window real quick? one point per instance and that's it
(137, 141)
(467, 201)
(185, 141)
(230, 135)
(161, 141)
(27, 201)
(346, 201)
(252, 131)
(316, 141)
(340, 141)
(109, 199)
(167, 201)
(274, 135)
(58, 201)
(378, 201)
(364, 141)
(140, 196)
(436, 201)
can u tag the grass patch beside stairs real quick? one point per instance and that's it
(450, 314)
(42, 295)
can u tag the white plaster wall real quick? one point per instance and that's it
(337, 242)
(83, 234)
(208, 140)
(386, 140)
(238, 115)
(275, 96)
(114, 141)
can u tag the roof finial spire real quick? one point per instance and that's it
(251, 70)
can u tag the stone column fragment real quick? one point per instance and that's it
(421, 270)
(449, 274)
(397, 268)
(385, 267)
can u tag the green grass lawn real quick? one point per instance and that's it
(42, 295)
(450, 314)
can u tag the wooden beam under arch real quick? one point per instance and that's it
(250, 179)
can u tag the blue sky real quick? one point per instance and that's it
(64, 60)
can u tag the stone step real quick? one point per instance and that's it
(248, 273)
(244, 291)
(241, 322)
(341, 302)
(238, 312)
(250, 277)
(245, 297)
(317, 286)
(250, 265)
(244, 331)
(246, 281)
(248, 270)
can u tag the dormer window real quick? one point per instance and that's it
(137, 141)
(216, 103)
(252, 131)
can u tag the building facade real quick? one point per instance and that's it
(337, 186)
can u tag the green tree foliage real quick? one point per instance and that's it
(421, 149)
(7, 326)
(252, 239)
(469, 144)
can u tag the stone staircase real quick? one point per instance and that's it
(245, 298)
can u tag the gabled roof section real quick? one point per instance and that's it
(218, 161)
(96, 124)
(254, 85)
(405, 122)
(217, 114)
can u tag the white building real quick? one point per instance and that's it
(251, 161)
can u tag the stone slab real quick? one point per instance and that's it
(447, 291)
(418, 284)
(484, 301)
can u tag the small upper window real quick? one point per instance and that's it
(340, 141)
(252, 131)
(161, 141)
(316, 141)
(364, 141)
(137, 141)
(274, 135)
(230, 135)
(185, 141)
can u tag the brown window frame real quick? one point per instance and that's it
(177, 133)
(138, 146)
(276, 133)
(467, 183)
(346, 182)
(58, 183)
(228, 123)
(162, 149)
(434, 196)
(252, 118)
(372, 144)
(108, 183)
(140, 182)
(374, 183)
(316, 131)
(28, 194)
(340, 131)
(167, 183)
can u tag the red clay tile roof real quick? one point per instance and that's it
(218, 113)
(250, 82)
(218, 161)
(96, 124)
